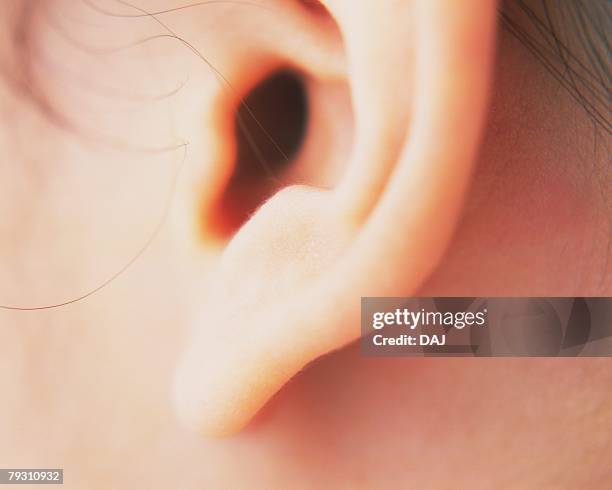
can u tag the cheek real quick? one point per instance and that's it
(536, 221)
(525, 231)
(544, 206)
(413, 416)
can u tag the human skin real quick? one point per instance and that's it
(88, 387)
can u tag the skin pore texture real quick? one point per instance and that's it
(143, 140)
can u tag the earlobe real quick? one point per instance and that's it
(287, 287)
(252, 334)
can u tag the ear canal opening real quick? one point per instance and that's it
(315, 6)
(270, 126)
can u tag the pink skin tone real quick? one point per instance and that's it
(90, 387)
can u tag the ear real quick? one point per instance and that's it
(287, 286)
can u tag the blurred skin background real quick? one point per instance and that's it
(120, 140)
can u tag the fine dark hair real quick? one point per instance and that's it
(570, 38)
